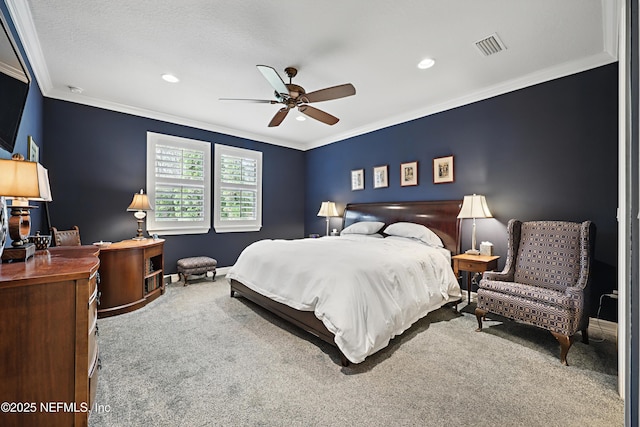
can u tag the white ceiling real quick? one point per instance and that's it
(116, 51)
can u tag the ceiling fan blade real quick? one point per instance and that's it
(274, 79)
(319, 115)
(279, 117)
(258, 101)
(329, 93)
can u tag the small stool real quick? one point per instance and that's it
(196, 265)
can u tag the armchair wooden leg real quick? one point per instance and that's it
(585, 336)
(480, 314)
(565, 343)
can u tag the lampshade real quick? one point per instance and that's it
(328, 209)
(140, 202)
(26, 180)
(474, 206)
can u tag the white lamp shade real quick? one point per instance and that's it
(140, 202)
(474, 206)
(25, 180)
(328, 209)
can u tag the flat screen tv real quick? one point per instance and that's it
(14, 87)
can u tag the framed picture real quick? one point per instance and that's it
(381, 176)
(409, 174)
(442, 170)
(357, 179)
(34, 151)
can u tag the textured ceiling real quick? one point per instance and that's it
(116, 51)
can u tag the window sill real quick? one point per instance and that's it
(236, 228)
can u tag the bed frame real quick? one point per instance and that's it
(439, 216)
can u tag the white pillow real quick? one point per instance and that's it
(414, 231)
(363, 227)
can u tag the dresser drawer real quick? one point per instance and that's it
(93, 381)
(93, 346)
(93, 283)
(93, 309)
(471, 266)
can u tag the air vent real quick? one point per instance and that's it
(490, 45)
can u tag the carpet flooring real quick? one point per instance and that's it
(196, 357)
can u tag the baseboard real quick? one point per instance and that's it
(597, 327)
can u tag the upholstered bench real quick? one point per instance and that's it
(196, 265)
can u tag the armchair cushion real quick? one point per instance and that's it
(532, 293)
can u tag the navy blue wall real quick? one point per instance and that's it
(544, 152)
(31, 124)
(98, 160)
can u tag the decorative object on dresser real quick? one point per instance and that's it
(49, 350)
(131, 275)
(22, 181)
(4, 220)
(327, 210)
(474, 206)
(545, 280)
(41, 241)
(66, 237)
(140, 204)
(196, 265)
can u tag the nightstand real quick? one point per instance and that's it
(473, 264)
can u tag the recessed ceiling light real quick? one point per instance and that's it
(75, 89)
(426, 63)
(301, 118)
(170, 78)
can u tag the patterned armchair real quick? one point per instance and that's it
(545, 281)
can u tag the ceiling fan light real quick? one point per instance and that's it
(170, 78)
(301, 118)
(426, 63)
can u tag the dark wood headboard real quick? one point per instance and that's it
(441, 217)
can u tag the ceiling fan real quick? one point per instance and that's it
(294, 96)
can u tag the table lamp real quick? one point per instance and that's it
(140, 204)
(21, 181)
(474, 206)
(328, 209)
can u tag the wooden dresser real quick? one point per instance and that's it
(131, 275)
(48, 346)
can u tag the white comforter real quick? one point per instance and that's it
(365, 290)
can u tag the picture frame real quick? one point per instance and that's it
(357, 179)
(381, 176)
(33, 150)
(443, 170)
(408, 174)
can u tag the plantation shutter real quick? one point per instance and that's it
(238, 180)
(180, 185)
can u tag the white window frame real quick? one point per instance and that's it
(177, 227)
(220, 225)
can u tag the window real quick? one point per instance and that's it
(238, 189)
(178, 184)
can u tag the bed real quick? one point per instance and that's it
(401, 279)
